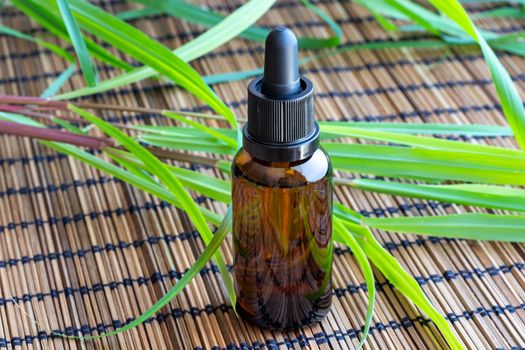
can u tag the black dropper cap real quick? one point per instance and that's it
(281, 125)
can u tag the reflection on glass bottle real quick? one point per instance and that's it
(282, 240)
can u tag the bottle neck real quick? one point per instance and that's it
(278, 152)
(284, 165)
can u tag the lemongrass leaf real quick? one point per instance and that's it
(245, 74)
(420, 128)
(421, 142)
(224, 31)
(196, 14)
(210, 186)
(232, 76)
(52, 22)
(217, 134)
(52, 47)
(402, 281)
(346, 213)
(86, 65)
(508, 12)
(57, 84)
(346, 238)
(198, 145)
(100, 164)
(315, 42)
(413, 11)
(130, 166)
(465, 226)
(128, 177)
(328, 133)
(143, 48)
(384, 22)
(162, 172)
(427, 164)
(68, 126)
(511, 102)
(486, 196)
(138, 13)
(436, 160)
(179, 131)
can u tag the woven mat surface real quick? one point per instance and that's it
(80, 251)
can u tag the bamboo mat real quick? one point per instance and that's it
(82, 252)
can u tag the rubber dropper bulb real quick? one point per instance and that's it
(281, 66)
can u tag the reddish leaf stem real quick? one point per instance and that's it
(54, 135)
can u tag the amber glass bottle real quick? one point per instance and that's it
(282, 199)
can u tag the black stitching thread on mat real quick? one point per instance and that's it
(359, 67)
(159, 277)
(62, 187)
(302, 340)
(243, 51)
(183, 35)
(65, 220)
(169, 238)
(233, 6)
(36, 159)
(293, 25)
(338, 69)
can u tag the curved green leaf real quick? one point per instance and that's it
(199, 15)
(146, 50)
(485, 196)
(396, 274)
(59, 81)
(87, 66)
(427, 164)
(52, 22)
(52, 47)
(346, 238)
(227, 29)
(232, 142)
(154, 166)
(418, 128)
(509, 97)
(466, 226)
(421, 142)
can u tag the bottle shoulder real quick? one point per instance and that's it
(282, 174)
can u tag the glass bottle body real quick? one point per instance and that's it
(282, 237)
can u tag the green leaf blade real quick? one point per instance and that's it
(346, 238)
(396, 274)
(52, 22)
(509, 97)
(52, 47)
(87, 66)
(509, 228)
(168, 179)
(485, 196)
(214, 37)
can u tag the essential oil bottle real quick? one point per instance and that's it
(282, 198)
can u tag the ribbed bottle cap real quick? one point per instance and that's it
(281, 125)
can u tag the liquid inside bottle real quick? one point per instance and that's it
(282, 240)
